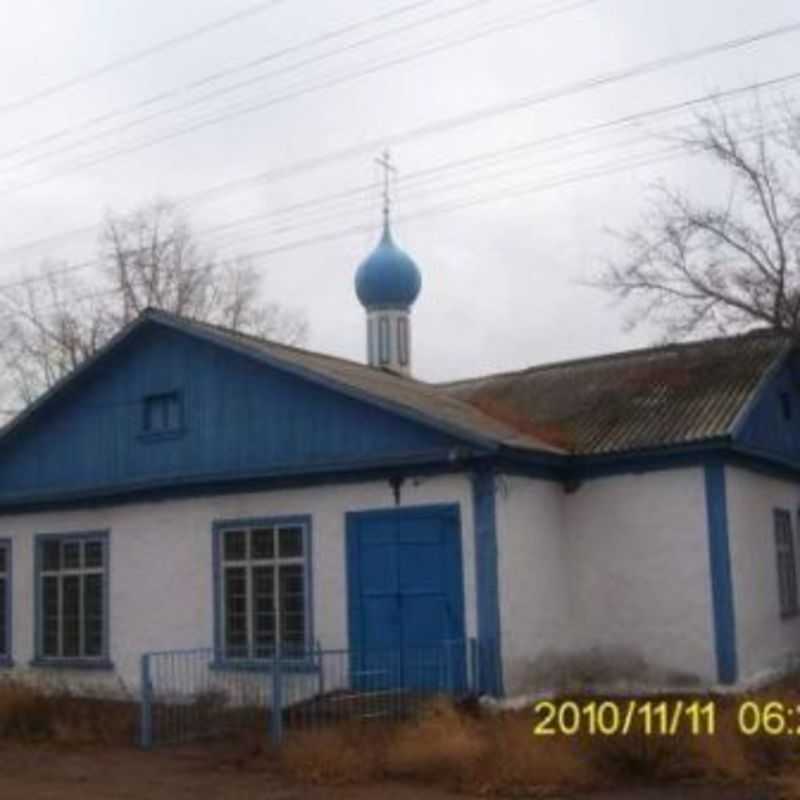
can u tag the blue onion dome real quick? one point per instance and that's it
(388, 278)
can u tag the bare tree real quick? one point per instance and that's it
(695, 266)
(149, 258)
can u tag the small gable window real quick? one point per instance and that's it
(787, 565)
(162, 414)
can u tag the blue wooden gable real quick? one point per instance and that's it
(237, 418)
(772, 424)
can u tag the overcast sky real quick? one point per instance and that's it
(502, 256)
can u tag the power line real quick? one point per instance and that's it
(215, 76)
(432, 172)
(132, 58)
(506, 191)
(469, 118)
(326, 84)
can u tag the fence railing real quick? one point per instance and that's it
(193, 694)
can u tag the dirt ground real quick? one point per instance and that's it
(49, 773)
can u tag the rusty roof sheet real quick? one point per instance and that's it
(634, 400)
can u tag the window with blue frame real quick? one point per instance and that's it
(162, 414)
(786, 563)
(5, 601)
(263, 596)
(72, 594)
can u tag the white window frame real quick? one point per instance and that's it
(249, 564)
(81, 572)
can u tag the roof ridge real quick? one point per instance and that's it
(225, 329)
(620, 354)
(425, 391)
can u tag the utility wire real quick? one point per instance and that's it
(444, 207)
(294, 94)
(138, 55)
(508, 192)
(472, 117)
(216, 76)
(436, 170)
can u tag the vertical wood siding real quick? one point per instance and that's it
(241, 416)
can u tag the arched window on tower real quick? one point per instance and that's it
(371, 348)
(383, 341)
(402, 341)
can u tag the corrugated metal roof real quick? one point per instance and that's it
(635, 400)
(423, 399)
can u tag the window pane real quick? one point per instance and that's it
(3, 560)
(235, 593)
(235, 546)
(71, 555)
(292, 606)
(51, 555)
(93, 554)
(787, 568)
(291, 542)
(50, 616)
(71, 617)
(262, 543)
(263, 611)
(93, 615)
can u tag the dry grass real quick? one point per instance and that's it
(343, 754)
(477, 753)
(443, 747)
(498, 754)
(29, 713)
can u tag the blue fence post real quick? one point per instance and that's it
(276, 720)
(320, 670)
(146, 718)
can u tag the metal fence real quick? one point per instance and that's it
(191, 694)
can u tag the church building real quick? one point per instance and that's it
(192, 486)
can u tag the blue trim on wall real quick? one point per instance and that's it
(724, 616)
(436, 462)
(305, 520)
(102, 661)
(486, 582)
(7, 655)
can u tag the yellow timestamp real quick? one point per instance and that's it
(772, 718)
(663, 717)
(621, 718)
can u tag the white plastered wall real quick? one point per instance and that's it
(161, 582)
(639, 581)
(765, 641)
(532, 577)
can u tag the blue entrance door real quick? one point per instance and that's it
(406, 599)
